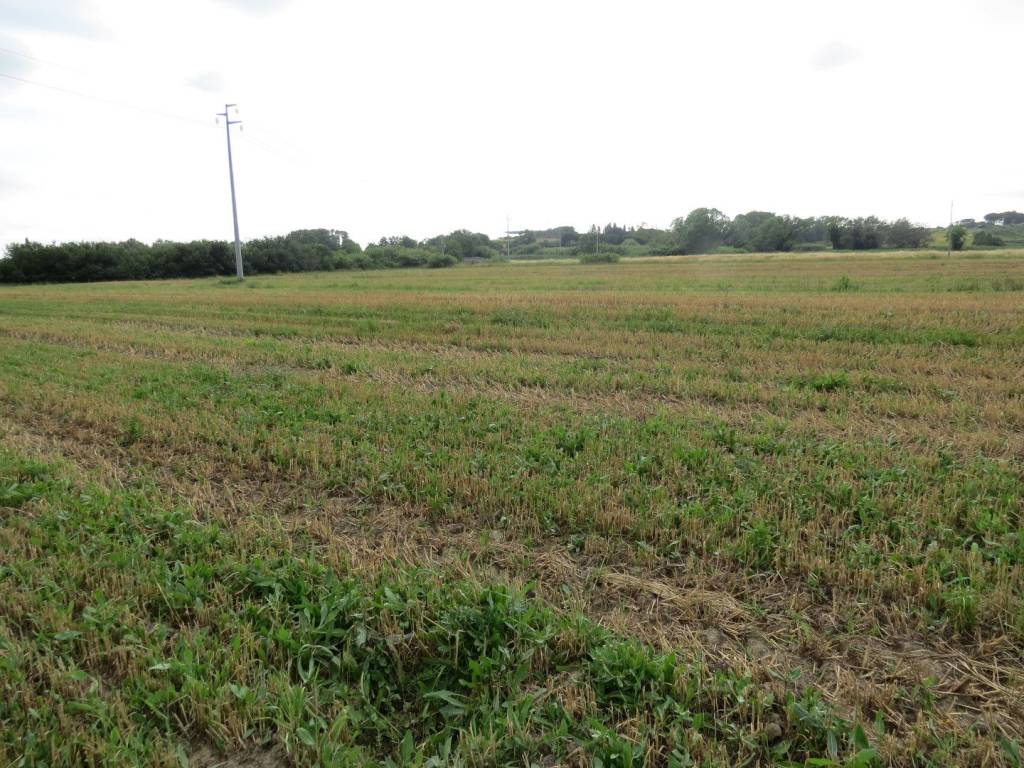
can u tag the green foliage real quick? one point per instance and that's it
(591, 249)
(861, 234)
(844, 285)
(437, 259)
(708, 230)
(762, 232)
(604, 256)
(870, 233)
(300, 251)
(398, 241)
(388, 256)
(463, 244)
(986, 238)
(703, 230)
(303, 250)
(902, 234)
(957, 237)
(534, 242)
(613, 234)
(825, 382)
(1006, 218)
(31, 262)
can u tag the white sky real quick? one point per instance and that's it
(417, 118)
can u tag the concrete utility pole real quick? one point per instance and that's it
(949, 240)
(508, 236)
(228, 122)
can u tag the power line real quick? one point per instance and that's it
(267, 147)
(292, 156)
(38, 60)
(278, 152)
(248, 138)
(101, 100)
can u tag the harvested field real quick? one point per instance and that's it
(737, 510)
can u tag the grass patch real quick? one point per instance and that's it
(190, 632)
(825, 382)
(844, 285)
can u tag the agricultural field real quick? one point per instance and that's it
(696, 511)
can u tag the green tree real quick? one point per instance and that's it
(613, 234)
(1006, 217)
(861, 234)
(762, 232)
(463, 244)
(834, 226)
(902, 234)
(988, 238)
(957, 237)
(399, 241)
(588, 242)
(702, 230)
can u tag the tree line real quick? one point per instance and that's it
(703, 230)
(708, 230)
(303, 250)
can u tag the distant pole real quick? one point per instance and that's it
(949, 241)
(508, 239)
(228, 122)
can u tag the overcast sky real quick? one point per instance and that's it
(416, 118)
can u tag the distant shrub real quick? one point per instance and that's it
(844, 284)
(988, 238)
(664, 246)
(353, 261)
(604, 257)
(441, 260)
(529, 249)
(390, 256)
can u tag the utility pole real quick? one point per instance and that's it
(508, 236)
(228, 122)
(949, 241)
